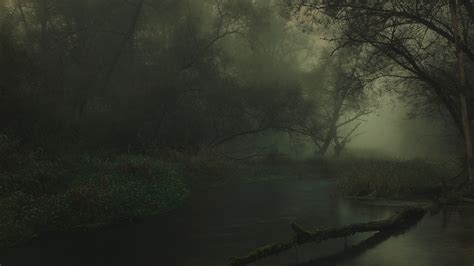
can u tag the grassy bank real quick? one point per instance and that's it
(39, 194)
(392, 178)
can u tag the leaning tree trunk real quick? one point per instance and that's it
(392, 225)
(464, 92)
(127, 37)
(325, 147)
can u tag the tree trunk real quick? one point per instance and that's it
(332, 132)
(463, 91)
(397, 222)
(127, 37)
(326, 144)
(338, 149)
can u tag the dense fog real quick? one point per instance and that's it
(189, 132)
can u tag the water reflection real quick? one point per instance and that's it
(446, 238)
(215, 225)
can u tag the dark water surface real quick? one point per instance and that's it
(223, 222)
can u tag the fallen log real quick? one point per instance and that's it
(357, 249)
(468, 200)
(403, 219)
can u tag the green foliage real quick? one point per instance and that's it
(105, 191)
(30, 172)
(172, 79)
(25, 216)
(9, 158)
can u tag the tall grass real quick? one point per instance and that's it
(391, 178)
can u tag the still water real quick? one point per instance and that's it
(223, 222)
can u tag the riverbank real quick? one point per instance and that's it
(218, 223)
(400, 179)
(80, 192)
(85, 192)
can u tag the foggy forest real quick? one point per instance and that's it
(236, 132)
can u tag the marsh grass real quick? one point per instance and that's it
(391, 178)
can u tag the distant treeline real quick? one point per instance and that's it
(183, 75)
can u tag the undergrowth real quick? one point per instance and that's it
(40, 194)
(391, 178)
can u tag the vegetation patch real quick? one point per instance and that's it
(40, 193)
(93, 192)
(391, 178)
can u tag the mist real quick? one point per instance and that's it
(236, 132)
(391, 131)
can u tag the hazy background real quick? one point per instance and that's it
(391, 131)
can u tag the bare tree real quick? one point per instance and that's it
(464, 91)
(344, 101)
(415, 39)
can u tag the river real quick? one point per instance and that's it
(222, 222)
